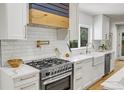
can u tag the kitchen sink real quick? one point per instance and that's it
(85, 56)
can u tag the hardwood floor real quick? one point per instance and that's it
(97, 85)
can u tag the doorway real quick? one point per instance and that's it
(120, 41)
(122, 44)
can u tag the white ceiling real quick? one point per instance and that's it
(110, 9)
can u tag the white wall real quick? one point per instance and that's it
(85, 19)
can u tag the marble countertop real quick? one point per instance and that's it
(87, 56)
(20, 71)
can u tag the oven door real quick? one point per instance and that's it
(60, 82)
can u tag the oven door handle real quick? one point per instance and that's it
(57, 78)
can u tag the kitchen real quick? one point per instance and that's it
(60, 46)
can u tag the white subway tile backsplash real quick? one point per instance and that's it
(27, 50)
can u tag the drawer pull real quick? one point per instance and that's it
(79, 68)
(27, 86)
(79, 78)
(78, 62)
(27, 78)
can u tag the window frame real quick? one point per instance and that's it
(79, 39)
(90, 35)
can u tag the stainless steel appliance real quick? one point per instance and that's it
(55, 74)
(107, 63)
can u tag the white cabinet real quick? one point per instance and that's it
(73, 20)
(87, 73)
(23, 78)
(82, 74)
(98, 68)
(13, 21)
(101, 27)
(78, 77)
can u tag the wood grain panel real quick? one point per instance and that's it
(48, 19)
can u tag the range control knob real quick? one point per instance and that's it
(48, 73)
(66, 68)
(52, 73)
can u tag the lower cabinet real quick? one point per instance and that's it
(87, 72)
(23, 78)
(78, 77)
(82, 75)
(98, 68)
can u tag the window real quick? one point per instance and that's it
(83, 36)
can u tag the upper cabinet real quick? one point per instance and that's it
(74, 25)
(49, 14)
(101, 27)
(13, 21)
(74, 21)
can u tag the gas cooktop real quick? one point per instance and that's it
(46, 63)
(50, 67)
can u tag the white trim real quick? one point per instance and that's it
(85, 26)
(89, 38)
(74, 49)
(120, 48)
(120, 44)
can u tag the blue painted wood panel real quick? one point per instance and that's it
(61, 9)
(61, 5)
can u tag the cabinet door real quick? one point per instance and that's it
(78, 82)
(87, 74)
(105, 27)
(16, 15)
(73, 21)
(98, 27)
(101, 27)
(78, 77)
(98, 71)
(98, 68)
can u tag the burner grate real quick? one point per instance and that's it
(48, 62)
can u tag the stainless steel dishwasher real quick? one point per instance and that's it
(107, 63)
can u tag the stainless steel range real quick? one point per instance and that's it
(55, 74)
